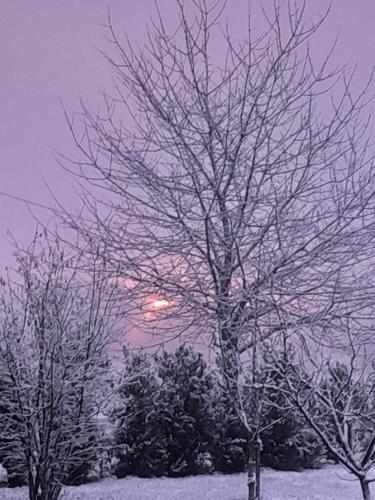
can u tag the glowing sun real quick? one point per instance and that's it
(160, 304)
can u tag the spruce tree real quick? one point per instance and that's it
(140, 444)
(164, 425)
(185, 410)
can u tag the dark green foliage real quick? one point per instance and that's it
(184, 403)
(164, 425)
(229, 447)
(175, 418)
(288, 442)
(140, 443)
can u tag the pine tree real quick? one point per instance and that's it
(140, 444)
(164, 421)
(175, 418)
(185, 410)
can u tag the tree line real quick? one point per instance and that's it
(174, 418)
(171, 413)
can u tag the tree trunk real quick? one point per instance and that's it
(365, 487)
(253, 477)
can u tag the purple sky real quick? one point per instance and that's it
(47, 54)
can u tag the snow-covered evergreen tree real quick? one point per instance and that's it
(164, 423)
(185, 410)
(229, 446)
(140, 447)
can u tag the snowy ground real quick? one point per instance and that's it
(328, 484)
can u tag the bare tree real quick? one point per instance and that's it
(220, 183)
(337, 401)
(53, 337)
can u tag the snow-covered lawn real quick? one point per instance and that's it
(330, 483)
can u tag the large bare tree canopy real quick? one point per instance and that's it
(229, 186)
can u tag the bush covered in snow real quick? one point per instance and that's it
(164, 426)
(174, 418)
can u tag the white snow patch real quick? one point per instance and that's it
(326, 484)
